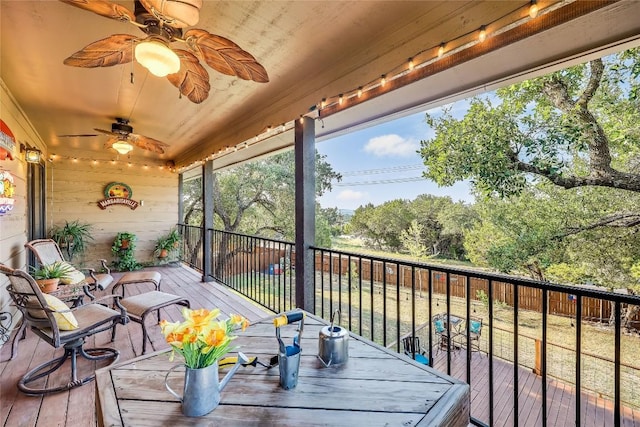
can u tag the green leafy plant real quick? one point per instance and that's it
(72, 237)
(167, 244)
(56, 270)
(124, 249)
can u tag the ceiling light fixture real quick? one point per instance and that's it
(122, 146)
(155, 55)
(32, 155)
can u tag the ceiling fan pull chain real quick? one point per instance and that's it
(132, 56)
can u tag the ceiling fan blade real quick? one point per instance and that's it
(79, 135)
(110, 142)
(225, 56)
(192, 80)
(104, 8)
(108, 132)
(113, 50)
(147, 143)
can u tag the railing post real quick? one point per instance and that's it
(207, 211)
(305, 173)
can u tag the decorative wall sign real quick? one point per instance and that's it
(7, 142)
(117, 193)
(7, 190)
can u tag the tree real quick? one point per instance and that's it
(576, 127)
(382, 225)
(556, 159)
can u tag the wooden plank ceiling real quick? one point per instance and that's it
(310, 49)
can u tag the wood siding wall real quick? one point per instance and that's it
(13, 225)
(75, 187)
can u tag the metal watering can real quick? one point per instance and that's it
(333, 343)
(202, 388)
(289, 355)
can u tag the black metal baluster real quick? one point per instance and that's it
(578, 358)
(491, 353)
(516, 301)
(384, 303)
(545, 309)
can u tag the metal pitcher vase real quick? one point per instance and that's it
(201, 393)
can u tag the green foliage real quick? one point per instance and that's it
(257, 197)
(169, 242)
(72, 237)
(427, 226)
(56, 270)
(123, 248)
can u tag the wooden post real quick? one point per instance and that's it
(538, 358)
(305, 172)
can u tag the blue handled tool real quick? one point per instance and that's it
(289, 355)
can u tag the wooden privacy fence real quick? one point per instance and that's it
(560, 303)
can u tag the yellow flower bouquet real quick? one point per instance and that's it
(201, 338)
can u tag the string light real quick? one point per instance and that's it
(482, 36)
(453, 45)
(533, 9)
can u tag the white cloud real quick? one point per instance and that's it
(351, 196)
(391, 146)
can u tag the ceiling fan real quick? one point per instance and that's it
(163, 22)
(123, 139)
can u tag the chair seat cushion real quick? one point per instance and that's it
(65, 319)
(89, 316)
(137, 305)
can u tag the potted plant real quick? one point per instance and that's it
(123, 248)
(167, 244)
(48, 276)
(73, 237)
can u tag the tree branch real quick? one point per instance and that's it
(619, 220)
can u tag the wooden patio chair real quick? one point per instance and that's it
(48, 252)
(412, 347)
(59, 326)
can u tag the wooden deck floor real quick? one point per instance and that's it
(596, 411)
(77, 407)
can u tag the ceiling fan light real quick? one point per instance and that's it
(122, 146)
(156, 56)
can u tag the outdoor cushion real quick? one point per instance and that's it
(439, 325)
(73, 277)
(65, 319)
(474, 326)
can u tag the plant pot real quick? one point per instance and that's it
(124, 244)
(163, 253)
(48, 285)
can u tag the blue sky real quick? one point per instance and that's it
(382, 153)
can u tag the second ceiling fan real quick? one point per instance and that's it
(163, 26)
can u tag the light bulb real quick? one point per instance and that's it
(359, 91)
(157, 57)
(483, 34)
(340, 99)
(383, 80)
(122, 146)
(411, 64)
(533, 9)
(441, 50)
